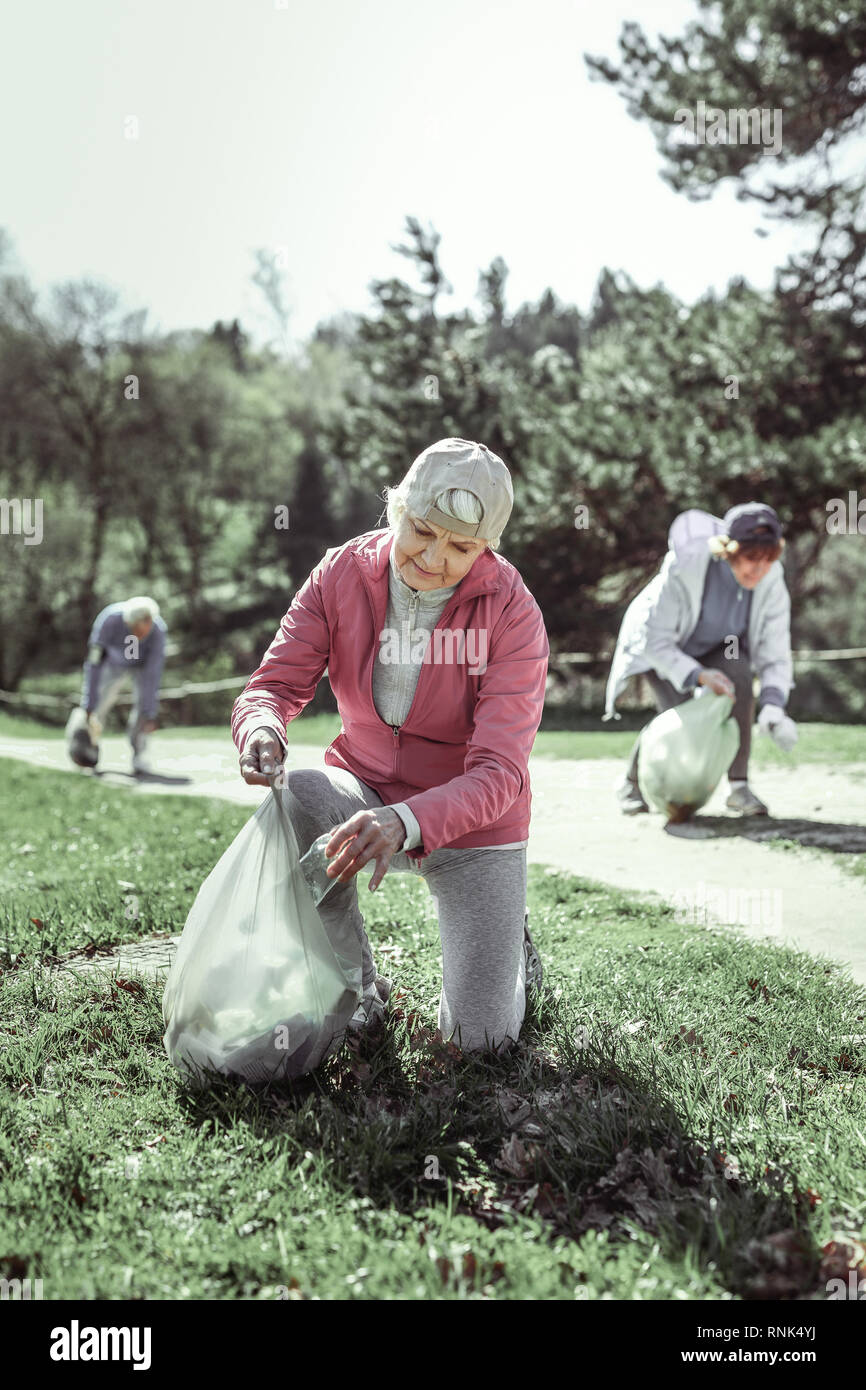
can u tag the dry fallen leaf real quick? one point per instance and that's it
(840, 1256)
(784, 1264)
(470, 1269)
(810, 1198)
(517, 1158)
(515, 1109)
(130, 986)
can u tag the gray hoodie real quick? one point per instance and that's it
(659, 622)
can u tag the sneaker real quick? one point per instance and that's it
(743, 799)
(82, 750)
(372, 1005)
(534, 968)
(631, 803)
(140, 767)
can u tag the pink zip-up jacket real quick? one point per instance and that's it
(460, 758)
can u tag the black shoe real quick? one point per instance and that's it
(82, 750)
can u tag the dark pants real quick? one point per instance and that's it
(739, 669)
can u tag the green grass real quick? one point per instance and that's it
(854, 864)
(839, 744)
(697, 1108)
(309, 728)
(18, 726)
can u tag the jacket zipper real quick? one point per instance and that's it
(453, 603)
(414, 603)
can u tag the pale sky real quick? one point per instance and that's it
(318, 127)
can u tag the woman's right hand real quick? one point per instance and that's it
(262, 758)
(718, 682)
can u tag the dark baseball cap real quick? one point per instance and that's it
(752, 521)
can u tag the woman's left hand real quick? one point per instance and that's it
(368, 835)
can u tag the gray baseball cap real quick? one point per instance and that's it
(752, 521)
(465, 464)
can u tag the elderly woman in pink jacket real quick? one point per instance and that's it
(437, 655)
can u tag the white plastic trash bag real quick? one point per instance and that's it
(684, 752)
(258, 991)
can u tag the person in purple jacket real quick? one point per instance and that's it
(126, 642)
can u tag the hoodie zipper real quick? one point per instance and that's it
(451, 605)
(395, 728)
(449, 608)
(414, 604)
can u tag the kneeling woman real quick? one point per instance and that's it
(717, 611)
(437, 655)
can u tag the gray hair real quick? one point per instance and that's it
(136, 609)
(722, 547)
(454, 501)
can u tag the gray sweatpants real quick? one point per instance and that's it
(480, 900)
(111, 684)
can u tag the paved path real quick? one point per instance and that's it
(717, 868)
(151, 957)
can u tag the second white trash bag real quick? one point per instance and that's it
(258, 990)
(684, 752)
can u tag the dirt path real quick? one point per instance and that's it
(719, 868)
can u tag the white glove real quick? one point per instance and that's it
(774, 721)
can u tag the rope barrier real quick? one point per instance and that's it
(832, 654)
(179, 692)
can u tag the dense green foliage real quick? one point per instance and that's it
(611, 421)
(802, 60)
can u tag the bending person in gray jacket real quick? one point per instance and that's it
(127, 641)
(717, 611)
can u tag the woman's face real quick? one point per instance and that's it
(749, 570)
(427, 557)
